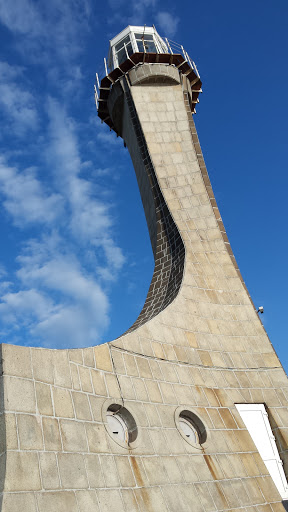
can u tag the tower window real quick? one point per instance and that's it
(117, 426)
(191, 427)
(121, 424)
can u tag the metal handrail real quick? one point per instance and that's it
(173, 48)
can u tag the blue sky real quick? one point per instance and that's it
(76, 261)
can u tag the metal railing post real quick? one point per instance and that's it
(197, 72)
(96, 96)
(105, 64)
(167, 42)
(126, 51)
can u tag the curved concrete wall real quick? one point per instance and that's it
(198, 344)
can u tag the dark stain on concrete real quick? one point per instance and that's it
(138, 477)
(221, 495)
(136, 470)
(213, 470)
(218, 395)
(211, 466)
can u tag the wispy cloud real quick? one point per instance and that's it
(137, 13)
(52, 36)
(110, 139)
(24, 197)
(56, 289)
(80, 305)
(53, 27)
(16, 102)
(131, 12)
(21, 16)
(140, 9)
(57, 296)
(24, 307)
(91, 219)
(168, 24)
(59, 302)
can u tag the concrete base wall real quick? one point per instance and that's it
(200, 346)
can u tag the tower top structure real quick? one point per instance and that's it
(137, 45)
(135, 39)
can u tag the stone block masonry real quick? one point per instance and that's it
(198, 346)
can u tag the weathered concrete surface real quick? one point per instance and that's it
(198, 343)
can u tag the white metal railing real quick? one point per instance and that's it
(178, 48)
(173, 48)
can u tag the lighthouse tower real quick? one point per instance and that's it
(221, 425)
(186, 411)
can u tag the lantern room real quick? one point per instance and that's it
(134, 40)
(137, 46)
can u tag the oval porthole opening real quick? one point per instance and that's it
(191, 427)
(188, 429)
(121, 424)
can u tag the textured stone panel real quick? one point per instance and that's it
(22, 472)
(21, 501)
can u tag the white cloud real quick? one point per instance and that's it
(56, 296)
(61, 273)
(168, 23)
(139, 11)
(70, 327)
(82, 309)
(20, 16)
(25, 305)
(3, 272)
(130, 12)
(60, 304)
(4, 284)
(19, 105)
(113, 253)
(24, 197)
(110, 138)
(8, 73)
(16, 102)
(62, 150)
(135, 13)
(50, 29)
(100, 172)
(91, 219)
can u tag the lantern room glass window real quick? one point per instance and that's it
(123, 50)
(145, 43)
